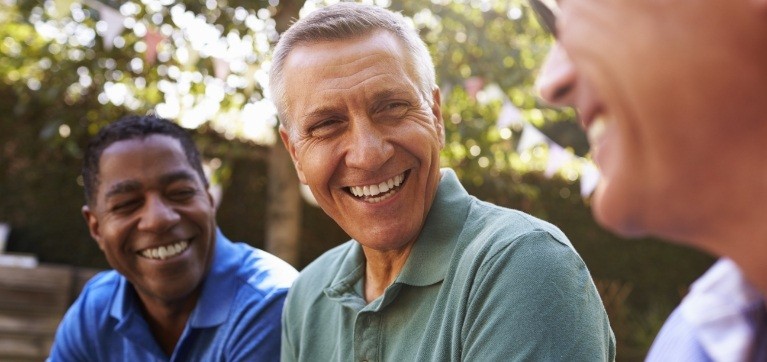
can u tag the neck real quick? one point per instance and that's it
(167, 320)
(731, 211)
(382, 268)
(739, 232)
(754, 267)
(750, 256)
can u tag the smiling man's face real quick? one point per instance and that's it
(363, 138)
(153, 218)
(665, 91)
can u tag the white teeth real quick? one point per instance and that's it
(375, 190)
(596, 130)
(383, 187)
(166, 251)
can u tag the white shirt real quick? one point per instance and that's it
(721, 319)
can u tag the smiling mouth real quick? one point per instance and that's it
(381, 191)
(596, 129)
(165, 251)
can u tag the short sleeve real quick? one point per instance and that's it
(534, 299)
(256, 337)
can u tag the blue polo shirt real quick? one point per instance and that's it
(237, 317)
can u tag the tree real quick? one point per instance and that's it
(284, 208)
(67, 67)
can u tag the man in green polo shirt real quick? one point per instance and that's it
(432, 273)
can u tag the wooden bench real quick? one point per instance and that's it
(32, 302)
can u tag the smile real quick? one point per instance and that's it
(165, 251)
(379, 192)
(596, 130)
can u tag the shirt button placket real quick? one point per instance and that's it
(366, 336)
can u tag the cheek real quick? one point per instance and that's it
(317, 163)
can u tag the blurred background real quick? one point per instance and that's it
(68, 67)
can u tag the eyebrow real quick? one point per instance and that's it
(389, 93)
(129, 186)
(123, 187)
(182, 175)
(320, 112)
(375, 97)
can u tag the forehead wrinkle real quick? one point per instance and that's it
(373, 88)
(315, 58)
(368, 83)
(362, 62)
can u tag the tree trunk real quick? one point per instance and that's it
(283, 214)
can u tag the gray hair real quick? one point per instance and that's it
(343, 21)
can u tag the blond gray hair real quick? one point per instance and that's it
(343, 21)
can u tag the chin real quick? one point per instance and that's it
(617, 214)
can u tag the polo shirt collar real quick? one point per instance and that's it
(429, 259)
(431, 254)
(220, 286)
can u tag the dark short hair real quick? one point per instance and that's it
(134, 127)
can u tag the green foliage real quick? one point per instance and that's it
(59, 84)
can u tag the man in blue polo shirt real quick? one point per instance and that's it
(180, 290)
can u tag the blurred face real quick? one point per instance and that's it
(363, 138)
(153, 218)
(658, 85)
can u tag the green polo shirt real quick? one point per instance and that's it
(482, 283)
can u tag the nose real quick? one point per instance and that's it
(369, 147)
(557, 78)
(157, 216)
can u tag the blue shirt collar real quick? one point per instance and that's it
(218, 292)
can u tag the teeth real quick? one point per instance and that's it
(165, 252)
(383, 187)
(596, 130)
(375, 190)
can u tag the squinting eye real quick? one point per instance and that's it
(324, 128)
(394, 110)
(124, 207)
(182, 195)
(395, 105)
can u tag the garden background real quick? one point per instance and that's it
(67, 67)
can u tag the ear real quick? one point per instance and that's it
(210, 198)
(284, 134)
(93, 225)
(436, 110)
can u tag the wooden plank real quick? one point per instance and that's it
(24, 348)
(42, 290)
(46, 276)
(28, 324)
(32, 303)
